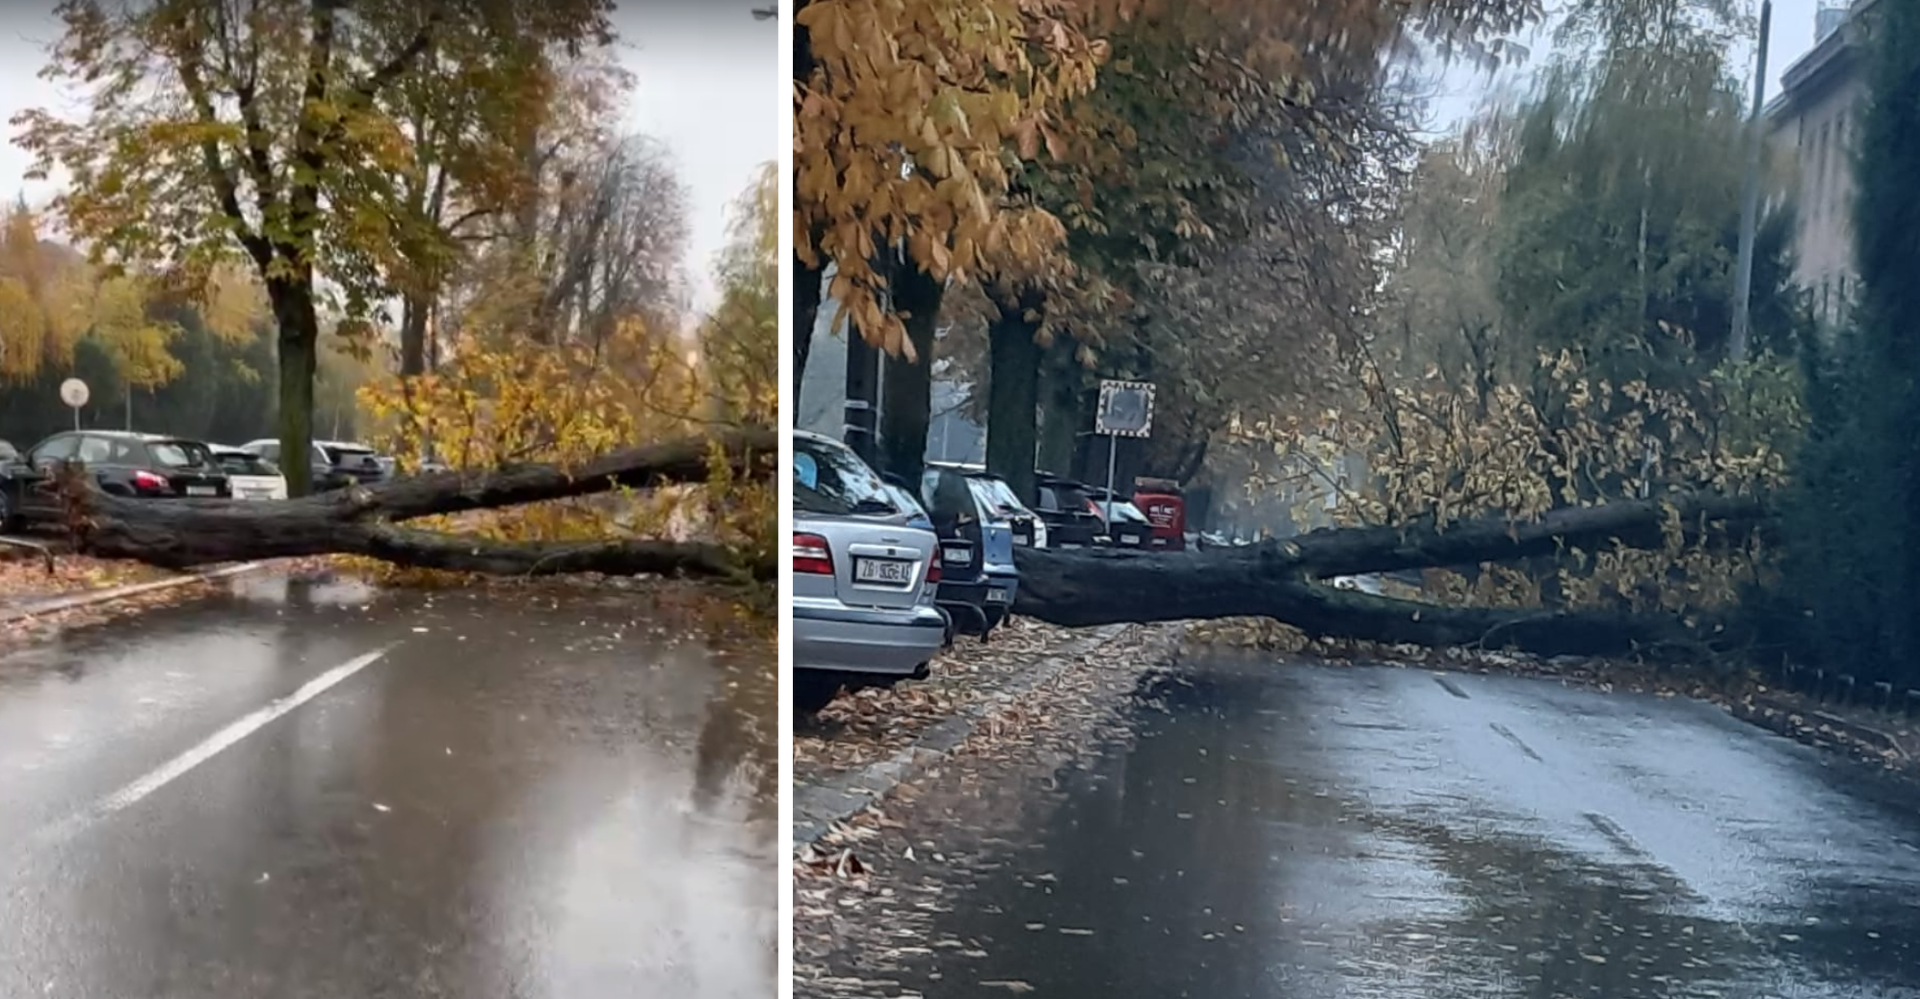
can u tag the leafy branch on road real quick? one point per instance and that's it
(366, 520)
(1287, 580)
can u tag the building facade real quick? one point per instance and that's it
(1813, 123)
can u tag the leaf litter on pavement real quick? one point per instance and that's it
(866, 895)
(867, 726)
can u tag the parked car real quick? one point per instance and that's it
(864, 578)
(366, 465)
(978, 580)
(250, 476)
(916, 514)
(323, 475)
(1063, 506)
(999, 498)
(1122, 525)
(154, 466)
(10, 465)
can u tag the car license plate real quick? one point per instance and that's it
(202, 491)
(997, 596)
(957, 556)
(880, 570)
(1129, 539)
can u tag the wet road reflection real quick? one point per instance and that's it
(542, 796)
(1315, 832)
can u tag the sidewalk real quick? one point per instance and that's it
(979, 699)
(35, 602)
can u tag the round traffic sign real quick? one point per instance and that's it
(73, 392)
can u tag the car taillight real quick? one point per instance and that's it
(148, 480)
(933, 567)
(811, 556)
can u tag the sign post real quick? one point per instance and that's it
(74, 393)
(1126, 410)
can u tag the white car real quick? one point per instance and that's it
(250, 476)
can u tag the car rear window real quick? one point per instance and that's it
(245, 463)
(830, 478)
(349, 457)
(1066, 499)
(1003, 495)
(179, 454)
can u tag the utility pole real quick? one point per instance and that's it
(1750, 199)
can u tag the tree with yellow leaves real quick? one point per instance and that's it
(256, 132)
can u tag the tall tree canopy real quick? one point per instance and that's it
(264, 131)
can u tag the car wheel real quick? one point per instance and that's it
(9, 520)
(813, 690)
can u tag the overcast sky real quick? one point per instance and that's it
(706, 73)
(1460, 88)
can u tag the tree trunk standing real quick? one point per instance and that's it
(299, 359)
(413, 336)
(1062, 417)
(806, 280)
(906, 399)
(1013, 389)
(806, 312)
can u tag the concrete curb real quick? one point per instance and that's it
(1773, 714)
(54, 605)
(817, 808)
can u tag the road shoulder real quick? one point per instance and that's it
(866, 746)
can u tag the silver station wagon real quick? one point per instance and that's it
(863, 577)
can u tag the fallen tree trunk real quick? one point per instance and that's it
(363, 520)
(1284, 581)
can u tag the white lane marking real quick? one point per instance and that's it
(180, 765)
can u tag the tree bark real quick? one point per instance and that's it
(366, 520)
(906, 401)
(413, 335)
(1283, 580)
(1063, 415)
(806, 312)
(1013, 390)
(299, 361)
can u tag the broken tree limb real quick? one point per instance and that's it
(1636, 524)
(361, 520)
(1279, 580)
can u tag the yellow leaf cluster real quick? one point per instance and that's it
(1437, 456)
(491, 405)
(903, 135)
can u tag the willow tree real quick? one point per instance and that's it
(256, 130)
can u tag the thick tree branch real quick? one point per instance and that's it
(362, 520)
(1083, 588)
(390, 71)
(1636, 524)
(226, 187)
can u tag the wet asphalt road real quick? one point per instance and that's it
(1322, 833)
(526, 798)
